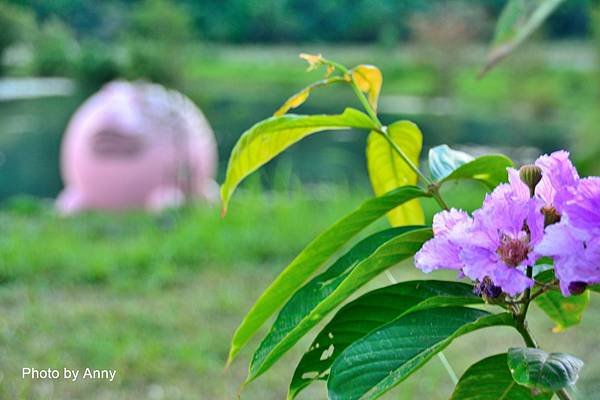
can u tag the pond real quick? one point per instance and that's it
(31, 130)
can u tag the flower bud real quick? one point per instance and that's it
(531, 175)
(487, 290)
(577, 287)
(551, 216)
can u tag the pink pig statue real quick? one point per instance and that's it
(134, 145)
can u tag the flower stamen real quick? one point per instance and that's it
(513, 251)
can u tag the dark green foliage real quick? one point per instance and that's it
(55, 49)
(376, 363)
(369, 312)
(276, 21)
(16, 24)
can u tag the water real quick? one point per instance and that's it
(31, 130)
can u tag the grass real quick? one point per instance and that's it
(158, 297)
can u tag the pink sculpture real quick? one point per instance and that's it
(135, 145)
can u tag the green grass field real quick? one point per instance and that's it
(158, 297)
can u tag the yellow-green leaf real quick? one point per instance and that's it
(388, 171)
(265, 140)
(368, 78)
(299, 98)
(293, 102)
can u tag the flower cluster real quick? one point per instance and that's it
(545, 210)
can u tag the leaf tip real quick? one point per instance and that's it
(231, 356)
(251, 376)
(494, 57)
(224, 202)
(293, 102)
(228, 363)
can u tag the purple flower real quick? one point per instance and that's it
(574, 243)
(499, 245)
(583, 209)
(544, 210)
(495, 245)
(559, 179)
(442, 252)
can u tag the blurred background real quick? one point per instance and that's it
(157, 296)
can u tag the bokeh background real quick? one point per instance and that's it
(158, 296)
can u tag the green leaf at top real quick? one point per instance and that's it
(537, 369)
(518, 20)
(317, 298)
(489, 170)
(268, 138)
(387, 171)
(314, 255)
(564, 311)
(490, 379)
(374, 364)
(368, 312)
(443, 161)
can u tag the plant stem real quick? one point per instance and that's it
(404, 157)
(527, 337)
(539, 293)
(365, 103)
(522, 315)
(521, 326)
(527, 299)
(432, 187)
(359, 94)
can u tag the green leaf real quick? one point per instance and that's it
(537, 369)
(518, 20)
(490, 379)
(387, 171)
(312, 302)
(314, 255)
(379, 361)
(363, 315)
(268, 138)
(564, 311)
(443, 161)
(489, 170)
(594, 288)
